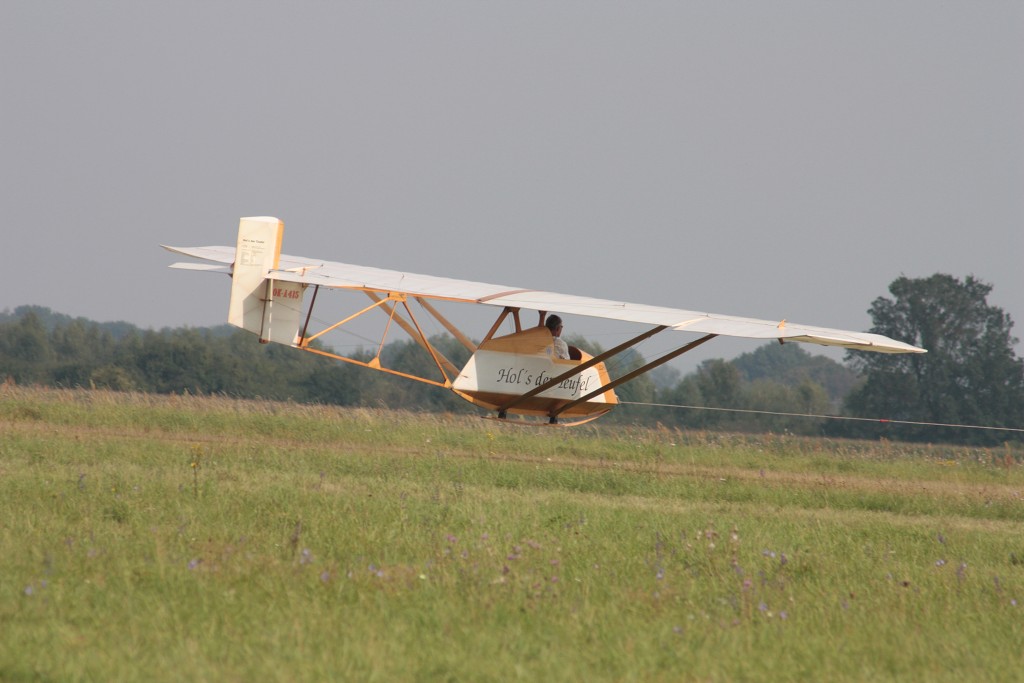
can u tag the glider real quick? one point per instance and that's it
(515, 373)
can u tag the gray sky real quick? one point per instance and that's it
(775, 160)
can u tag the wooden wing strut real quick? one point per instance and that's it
(580, 368)
(639, 371)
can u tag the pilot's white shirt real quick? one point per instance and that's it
(560, 349)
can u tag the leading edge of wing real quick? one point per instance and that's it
(348, 276)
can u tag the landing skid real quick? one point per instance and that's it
(520, 422)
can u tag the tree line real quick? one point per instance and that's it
(971, 375)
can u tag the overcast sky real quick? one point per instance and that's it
(768, 159)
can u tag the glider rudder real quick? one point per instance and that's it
(266, 307)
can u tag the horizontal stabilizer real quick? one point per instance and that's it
(207, 267)
(214, 254)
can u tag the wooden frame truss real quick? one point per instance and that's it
(389, 303)
(393, 303)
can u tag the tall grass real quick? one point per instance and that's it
(198, 538)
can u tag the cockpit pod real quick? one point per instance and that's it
(518, 373)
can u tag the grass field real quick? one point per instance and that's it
(184, 538)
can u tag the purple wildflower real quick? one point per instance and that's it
(307, 556)
(194, 562)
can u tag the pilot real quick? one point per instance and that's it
(561, 349)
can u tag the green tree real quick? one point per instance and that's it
(25, 353)
(771, 397)
(793, 366)
(79, 348)
(970, 374)
(717, 384)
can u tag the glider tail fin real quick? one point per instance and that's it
(266, 307)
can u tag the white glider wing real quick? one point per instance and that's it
(321, 273)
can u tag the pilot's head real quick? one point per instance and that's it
(554, 323)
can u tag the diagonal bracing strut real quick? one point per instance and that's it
(580, 368)
(639, 371)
